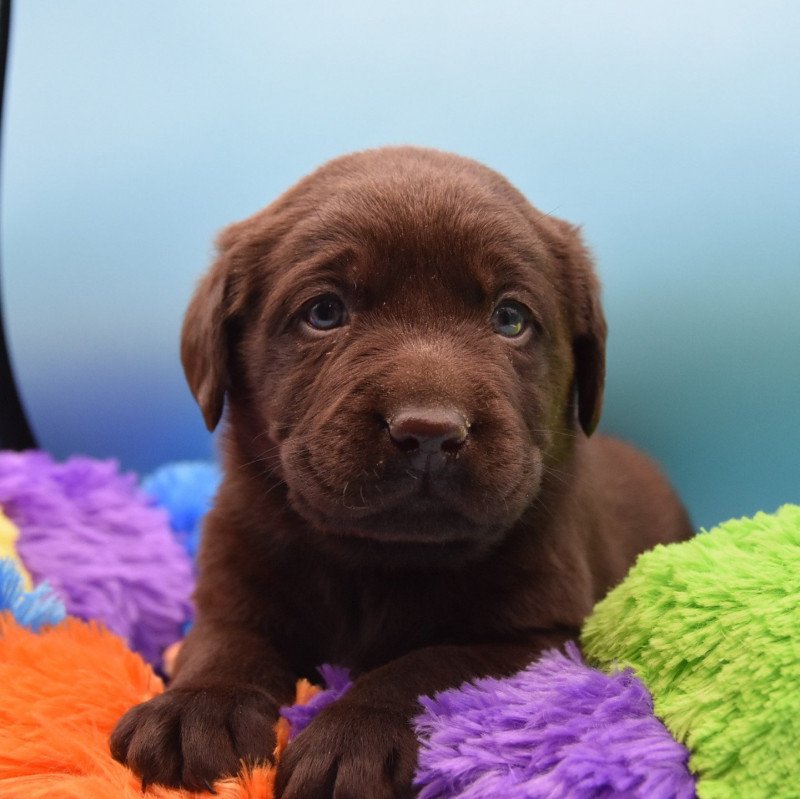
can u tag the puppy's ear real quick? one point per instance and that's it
(205, 337)
(589, 328)
(204, 345)
(589, 353)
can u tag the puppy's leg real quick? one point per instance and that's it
(218, 712)
(363, 746)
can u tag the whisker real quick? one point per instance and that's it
(260, 457)
(553, 432)
(562, 477)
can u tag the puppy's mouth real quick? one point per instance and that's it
(419, 512)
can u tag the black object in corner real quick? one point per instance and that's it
(15, 432)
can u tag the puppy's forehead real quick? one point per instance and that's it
(444, 233)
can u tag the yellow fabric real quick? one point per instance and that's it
(8, 547)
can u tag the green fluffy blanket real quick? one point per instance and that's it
(712, 626)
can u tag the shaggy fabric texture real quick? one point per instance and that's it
(711, 626)
(556, 730)
(63, 691)
(95, 537)
(32, 609)
(185, 489)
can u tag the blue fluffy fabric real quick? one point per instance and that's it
(32, 609)
(185, 489)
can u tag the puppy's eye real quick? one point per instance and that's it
(510, 319)
(326, 313)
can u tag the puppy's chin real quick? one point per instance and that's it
(403, 540)
(416, 534)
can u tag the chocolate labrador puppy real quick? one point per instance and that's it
(411, 359)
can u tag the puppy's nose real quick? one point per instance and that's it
(428, 431)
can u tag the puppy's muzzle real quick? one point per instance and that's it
(429, 437)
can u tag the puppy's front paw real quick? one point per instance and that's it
(350, 752)
(189, 737)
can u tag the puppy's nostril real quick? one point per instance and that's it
(428, 430)
(382, 423)
(407, 444)
(452, 445)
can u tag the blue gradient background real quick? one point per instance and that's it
(671, 131)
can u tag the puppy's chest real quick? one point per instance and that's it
(363, 623)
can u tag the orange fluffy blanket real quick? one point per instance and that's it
(56, 716)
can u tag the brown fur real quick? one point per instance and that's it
(328, 542)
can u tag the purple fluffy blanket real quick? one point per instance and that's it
(558, 729)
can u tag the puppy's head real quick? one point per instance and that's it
(405, 342)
